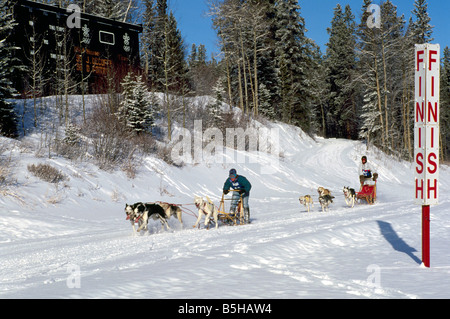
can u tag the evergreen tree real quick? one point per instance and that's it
(155, 30)
(265, 107)
(8, 65)
(369, 77)
(72, 137)
(135, 110)
(370, 126)
(340, 63)
(163, 47)
(148, 40)
(215, 109)
(392, 38)
(175, 56)
(292, 59)
(192, 58)
(421, 29)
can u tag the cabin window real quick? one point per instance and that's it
(106, 37)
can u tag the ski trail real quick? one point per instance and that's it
(284, 253)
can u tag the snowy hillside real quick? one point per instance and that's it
(72, 240)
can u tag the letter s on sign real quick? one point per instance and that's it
(419, 162)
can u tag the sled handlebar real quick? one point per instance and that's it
(235, 190)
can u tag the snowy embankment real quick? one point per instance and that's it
(72, 240)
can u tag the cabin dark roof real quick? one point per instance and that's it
(85, 16)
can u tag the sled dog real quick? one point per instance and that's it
(172, 210)
(325, 202)
(307, 201)
(141, 213)
(350, 196)
(133, 214)
(207, 208)
(323, 191)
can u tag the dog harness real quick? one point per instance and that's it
(202, 208)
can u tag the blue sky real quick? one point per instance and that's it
(196, 26)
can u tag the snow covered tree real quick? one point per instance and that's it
(72, 137)
(8, 66)
(215, 109)
(370, 129)
(421, 29)
(293, 57)
(382, 71)
(135, 109)
(265, 107)
(111, 9)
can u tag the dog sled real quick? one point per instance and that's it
(232, 219)
(368, 193)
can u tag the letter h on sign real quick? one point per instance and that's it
(426, 124)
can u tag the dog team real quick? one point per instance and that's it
(140, 213)
(326, 199)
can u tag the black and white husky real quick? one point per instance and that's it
(140, 213)
(325, 201)
(350, 196)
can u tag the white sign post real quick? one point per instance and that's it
(426, 136)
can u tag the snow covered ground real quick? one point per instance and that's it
(72, 240)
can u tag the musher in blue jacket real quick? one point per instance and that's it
(238, 182)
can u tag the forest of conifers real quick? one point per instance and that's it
(361, 87)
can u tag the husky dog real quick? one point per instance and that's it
(350, 196)
(133, 214)
(325, 201)
(172, 210)
(207, 208)
(307, 201)
(323, 191)
(140, 213)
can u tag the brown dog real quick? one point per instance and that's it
(172, 210)
(307, 201)
(323, 191)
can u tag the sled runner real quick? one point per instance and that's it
(229, 218)
(368, 193)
